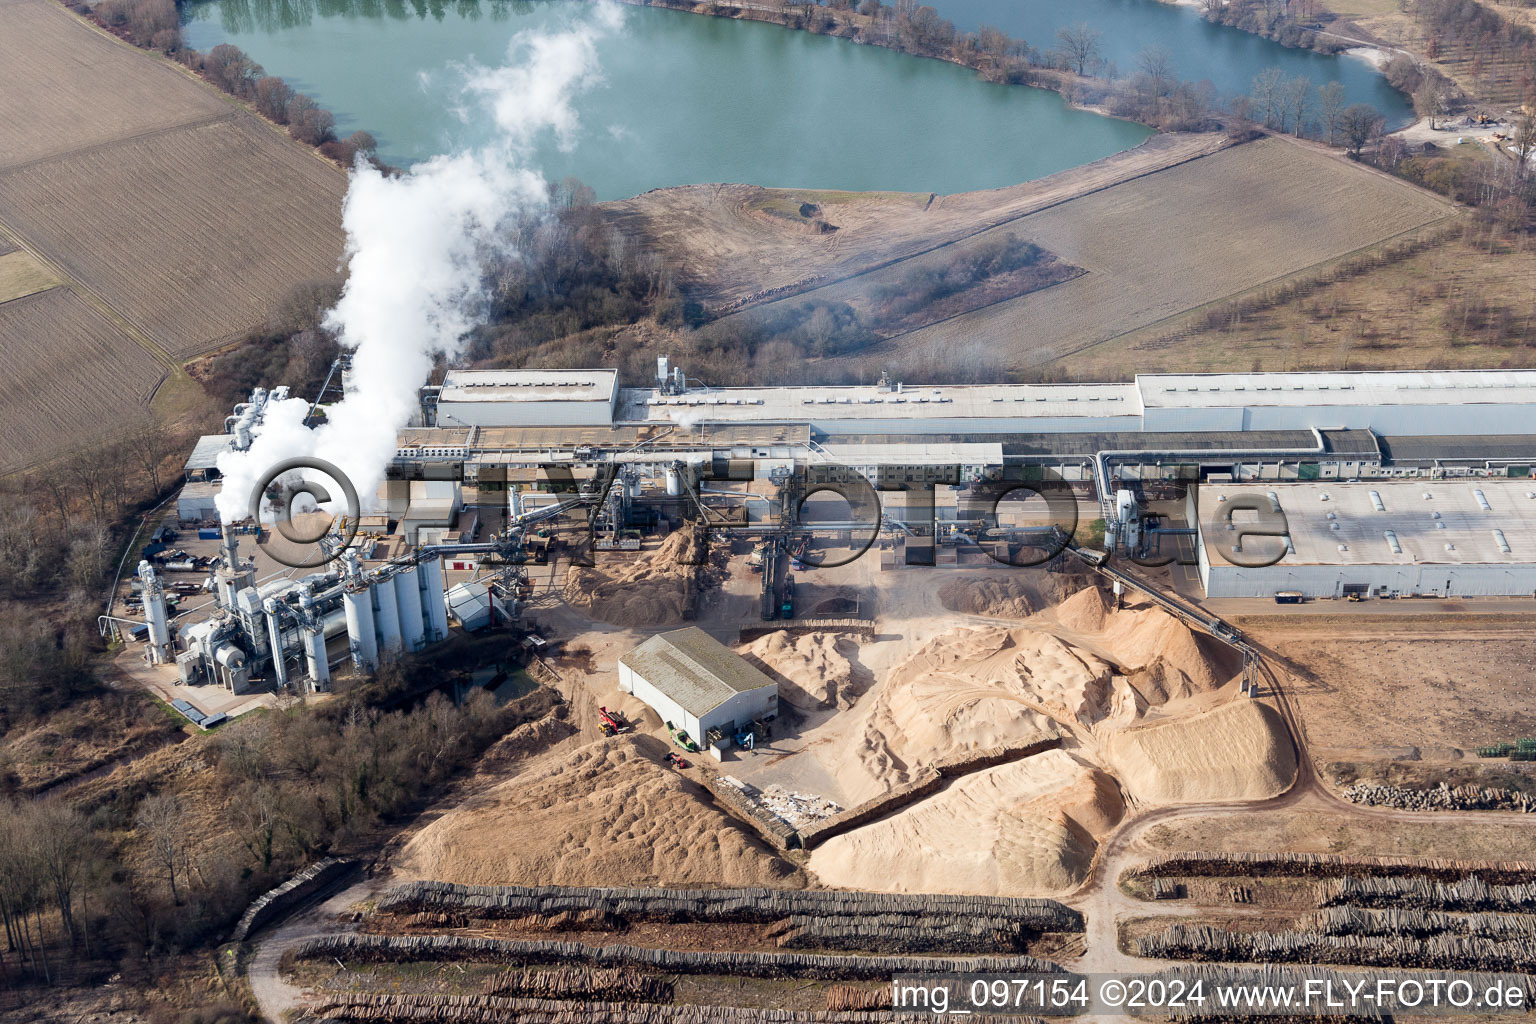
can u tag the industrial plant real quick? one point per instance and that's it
(1392, 483)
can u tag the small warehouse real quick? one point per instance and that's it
(1389, 538)
(697, 683)
(198, 502)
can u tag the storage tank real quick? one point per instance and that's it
(386, 615)
(434, 604)
(413, 627)
(674, 482)
(155, 617)
(316, 662)
(273, 608)
(359, 608)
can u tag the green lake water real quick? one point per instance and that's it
(684, 99)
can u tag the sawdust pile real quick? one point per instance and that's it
(1025, 827)
(818, 670)
(1001, 597)
(1009, 595)
(651, 590)
(968, 689)
(1237, 751)
(1085, 611)
(605, 815)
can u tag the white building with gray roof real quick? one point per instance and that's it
(1387, 538)
(697, 683)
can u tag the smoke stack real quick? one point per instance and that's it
(416, 250)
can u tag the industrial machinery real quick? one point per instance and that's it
(613, 722)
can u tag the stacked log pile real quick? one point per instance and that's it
(1357, 921)
(826, 967)
(274, 903)
(904, 933)
(1441, 798)
(1471, 893)
(1325, 865)
(856, 997)
(1447, 952)
(382, 1008)
(894, 913)
(619, 984)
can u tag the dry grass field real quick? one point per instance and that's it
(192, 253)
(169, 217)
(21, 274)
(729, 244)
(1178, 239)
(67, 87)
(1452, 306)
(66, 375)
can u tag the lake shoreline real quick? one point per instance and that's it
(854, 28)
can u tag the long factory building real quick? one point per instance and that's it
(1255, 425)
(496, 428)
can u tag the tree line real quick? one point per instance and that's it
(156, 24)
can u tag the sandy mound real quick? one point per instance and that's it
(652, 590)
(1004, 831)
(813, 671)
(607, 815)
(968, 689)
(1085, 611)
(1238, 751)
(1164, 658)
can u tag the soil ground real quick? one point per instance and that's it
(168, 217)
(1456, 305)
(1170, 226)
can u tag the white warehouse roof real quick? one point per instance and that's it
(529, 386)
(873, 402)
(1390, 387)
(1489, 520)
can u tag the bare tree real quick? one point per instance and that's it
(228, 67)
(1298, 101)
(1157, 62)
(309, 122)
(272, 98)
(162, 818)
(1429, 101)
(61, 842)
(1269, 98)
(1330, 106)
(150, 448)
(1359, 124)
(1523, 145)
(993, 42)
(1080, 46)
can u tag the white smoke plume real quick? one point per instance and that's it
(415, 246)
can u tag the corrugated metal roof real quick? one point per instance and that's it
(528, 386)
(205, 454)
(694, 669)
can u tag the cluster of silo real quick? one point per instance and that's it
(394, 609)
